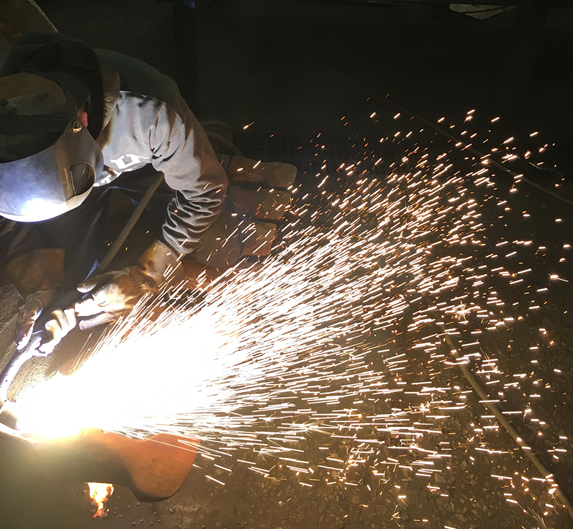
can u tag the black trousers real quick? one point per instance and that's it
(80, 231)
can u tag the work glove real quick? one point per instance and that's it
(114, 294)
(62, 321)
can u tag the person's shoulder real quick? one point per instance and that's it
(139, 78)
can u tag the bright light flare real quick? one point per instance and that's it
(143, 369)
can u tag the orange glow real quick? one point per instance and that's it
(99, 494)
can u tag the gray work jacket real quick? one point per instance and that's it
(145, 120)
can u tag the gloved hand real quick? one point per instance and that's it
(114, 294)
(60, 324)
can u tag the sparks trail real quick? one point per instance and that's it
(338, 337)
(279, 348)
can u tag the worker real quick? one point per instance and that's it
(76, 123)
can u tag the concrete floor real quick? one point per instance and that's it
(292, 68)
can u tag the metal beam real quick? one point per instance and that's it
(18, 17)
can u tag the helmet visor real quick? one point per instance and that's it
(52, 181)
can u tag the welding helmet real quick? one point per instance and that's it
(49, 161)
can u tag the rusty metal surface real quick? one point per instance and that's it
(154, 469)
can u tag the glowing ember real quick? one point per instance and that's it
(100, 493)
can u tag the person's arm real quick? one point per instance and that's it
(152, 118)
(182, 152)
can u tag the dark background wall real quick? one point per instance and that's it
(297, 67)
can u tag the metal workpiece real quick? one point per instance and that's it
(153, 469)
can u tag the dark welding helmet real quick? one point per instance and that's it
(49, 161)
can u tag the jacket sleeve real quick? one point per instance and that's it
(183, 153)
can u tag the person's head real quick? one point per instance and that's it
(48, 159)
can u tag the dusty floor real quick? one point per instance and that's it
(468, 495)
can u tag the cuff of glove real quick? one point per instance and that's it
(159, 264)
(36, 271)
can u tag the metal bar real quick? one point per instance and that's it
(118, 243)
(509, 428)
(18, 17)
